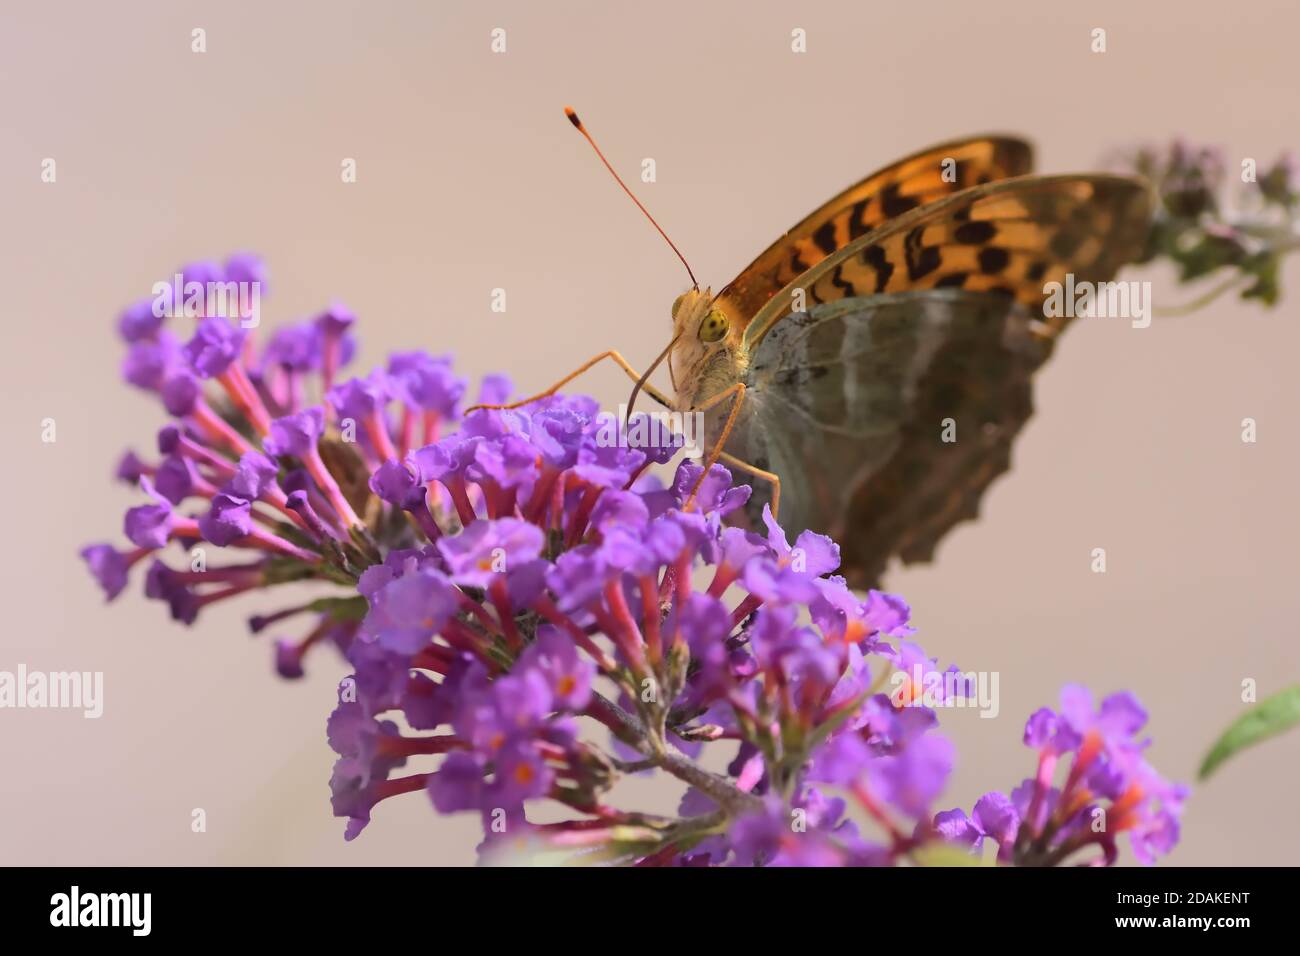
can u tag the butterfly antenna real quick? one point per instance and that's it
(577, 124)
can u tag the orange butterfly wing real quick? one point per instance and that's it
(1013, 236)
(1010, 237)
(899, 188)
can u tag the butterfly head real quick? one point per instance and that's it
(705, 343)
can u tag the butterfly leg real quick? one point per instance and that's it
(611, 354)
(738, 390)
(771, 477)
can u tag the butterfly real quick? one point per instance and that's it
(874, 364)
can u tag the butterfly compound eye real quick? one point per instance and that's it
(714, 326)
(677, 304)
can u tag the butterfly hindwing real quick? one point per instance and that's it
(849, 404)
(1011, 237)
(899, 188)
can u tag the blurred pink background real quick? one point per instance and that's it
(470, 179)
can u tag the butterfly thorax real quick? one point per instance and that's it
(709, 355)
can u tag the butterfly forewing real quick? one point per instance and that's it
(906, 185)
(1011, 237)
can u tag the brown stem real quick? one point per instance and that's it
(715, 786)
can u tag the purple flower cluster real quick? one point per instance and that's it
(1109, 789)
(256, 458)
(504, 580)
(1203, 228)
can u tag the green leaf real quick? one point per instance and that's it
(341, 609)
(943, 854)
(1265, 286)
(1268, 718)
